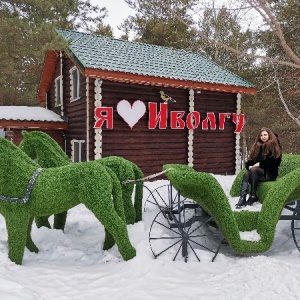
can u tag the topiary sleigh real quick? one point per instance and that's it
(204, 189)
(26, 192)
(42, 147)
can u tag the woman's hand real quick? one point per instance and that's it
(255, 165)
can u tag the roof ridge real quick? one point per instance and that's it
(134, 42)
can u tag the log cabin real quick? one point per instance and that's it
(152, 105)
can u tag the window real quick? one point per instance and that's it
(75, 84)
(77, 150)
(58, 91)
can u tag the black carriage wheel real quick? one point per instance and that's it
(170, 236)
(163, 196)
(295, 225)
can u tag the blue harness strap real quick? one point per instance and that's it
(25, 199)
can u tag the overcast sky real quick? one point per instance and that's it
(118, 10)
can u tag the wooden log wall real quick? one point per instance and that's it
(75, 111)
(150, 149)
(214, 150)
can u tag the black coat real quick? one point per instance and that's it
(269, 164)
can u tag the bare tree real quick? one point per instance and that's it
(270, 19)
(261, 7)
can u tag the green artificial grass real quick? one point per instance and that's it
(207, 192)
(126, 170)
(55, 190)
(39, 145)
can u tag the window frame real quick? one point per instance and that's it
(58, 91)
(74, 84)
(74, 155)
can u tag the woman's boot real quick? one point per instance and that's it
(244, 192)
(253, 198)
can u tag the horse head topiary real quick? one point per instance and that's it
(39, 145)
(52, 191)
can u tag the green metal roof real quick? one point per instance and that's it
(104, 53)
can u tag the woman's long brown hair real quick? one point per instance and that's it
(271, 147)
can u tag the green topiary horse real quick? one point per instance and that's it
(53, 191)
(39, 145)
(53, 156)
(207, 192)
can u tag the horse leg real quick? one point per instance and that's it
(138, 199)
(138, 204)
(17, 227)
(60, 220)
(127, 190)
(42, 221)
(30, 244)
(117, 194)
(104, 211)
(108, 241)
(118, 205)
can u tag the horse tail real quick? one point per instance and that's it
(138, 197)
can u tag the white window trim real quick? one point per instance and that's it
(72, 84)
(80, 142)
(59, 78)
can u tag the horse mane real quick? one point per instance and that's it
(48, 152)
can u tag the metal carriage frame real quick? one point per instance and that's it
(182, 219)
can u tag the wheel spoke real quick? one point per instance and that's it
(174, 258)
(204, 235)
(163, 225)
(200, 245)
(201, 225)
(156, 255)
(194, 251)
(165, 238)
(151, 194)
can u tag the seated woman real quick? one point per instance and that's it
(262, 165)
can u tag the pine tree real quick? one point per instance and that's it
(26, 32)
(153, 23)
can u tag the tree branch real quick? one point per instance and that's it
(274, 24)
(214, 42)
(283, 100)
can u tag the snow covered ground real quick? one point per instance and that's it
(72, 265)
